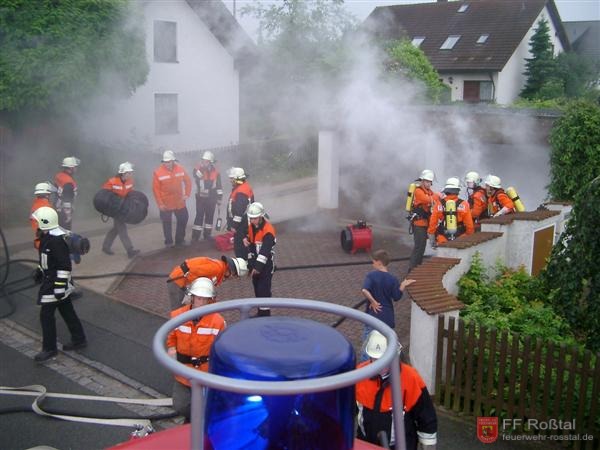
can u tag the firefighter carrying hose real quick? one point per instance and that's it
(172, 186)
(499, 203)
(260, 242)
(241, 196)
(190, 343)
(66, 191)
(42, 192)
(451, 216)
(374, 402)
(209, 195)
(121, 184)
(423, 199)
(217, 270)
(477, 198)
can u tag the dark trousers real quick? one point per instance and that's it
(239, 249)
(205, 213)
(66, 310)
(181, 217)
(262, 282)
(119, 228)
(65, 219)
(420, 241)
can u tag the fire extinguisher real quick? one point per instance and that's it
(219, 223)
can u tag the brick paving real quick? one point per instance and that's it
(298, 244)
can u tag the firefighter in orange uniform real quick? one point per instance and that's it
(66, 191)
(217, 270)
(241, 196)
(440, 228)
(424, 199)
(499, 203)
(477, 198)
(190, 343)
(172, 186)
(42, 192)
(374, 402)
(260, 242)
(210, 193)
(121, 184)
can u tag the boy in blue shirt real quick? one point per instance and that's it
(382, 289)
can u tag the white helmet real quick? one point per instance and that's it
(70, 161)
(255, 210)
(46, 218)
(493, 181)
(202, 287)
(208, 156)
(472, 177)
(237, 266)
(427, 175)
(376, 345)
(237, 173)
(44, 188)
(168, 156)
(126, 167)
(452, 183)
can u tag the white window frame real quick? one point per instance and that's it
(483, 39)
(463, 8)
(417, 41)
(161, 53)
(166, 116)
(450, 42)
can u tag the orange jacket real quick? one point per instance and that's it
(423, 201)
(118, 186)
(499, 200)
(66, 189)
(171, 187)
(195, 338)
(208, 181)
(239, 199)
(199, 267)
(262, 242)
(478, 203)
(437, 222)
(38, 202)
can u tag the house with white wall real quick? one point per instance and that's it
(478, 47)
(197, 53)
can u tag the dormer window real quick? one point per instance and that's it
(463, 8)
(449, 43)
(417, 41)
(483, 38)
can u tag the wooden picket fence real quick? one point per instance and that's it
(484, 372)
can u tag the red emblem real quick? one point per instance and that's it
(487, 429)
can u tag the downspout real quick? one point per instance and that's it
(491, 75)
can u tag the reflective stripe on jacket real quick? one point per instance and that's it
(208, 181)
(464, 219)
(239, 199)
(116, 185)
(171, 187)
(66, 190)
(262, 242)
(424, 200)
(195, 338)
(199, 267)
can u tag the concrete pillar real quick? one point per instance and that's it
(328, 175)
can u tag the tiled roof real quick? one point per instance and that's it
(537, 215)
(428, 292)
(505, 21)
(471, 240)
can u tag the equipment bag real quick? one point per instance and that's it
(134, 208)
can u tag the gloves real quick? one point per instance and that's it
(37, 275)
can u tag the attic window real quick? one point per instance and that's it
(417, 41)
(463, 8)
(483, 38)
(449, 43)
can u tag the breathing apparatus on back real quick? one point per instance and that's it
(514, 196)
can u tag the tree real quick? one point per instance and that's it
(56, 55)
(409, 61)
(539, 69)
(575, 153)
(577, 74)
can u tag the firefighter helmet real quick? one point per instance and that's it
(427, 175)
(168, 156)
(46, 217)
(376, 345)
(255, 210)
(237, 174)
(452, 185)
(44, 188)
(202, 287)
(209, 156)
(472, 177)
(126, 167)
(70, 162)
(237, 266)
(493, 181)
